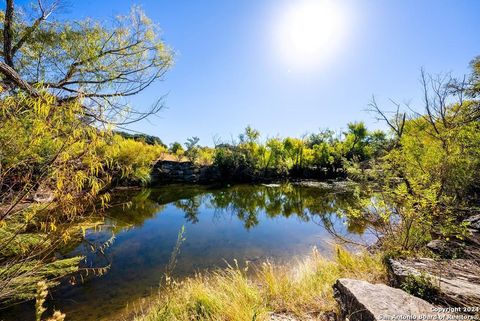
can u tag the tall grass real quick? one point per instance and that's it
(234, 294)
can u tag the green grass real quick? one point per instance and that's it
(232, 294)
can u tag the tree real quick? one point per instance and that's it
(59, 82)
(103, 64)
(426, 181)
(474, 86)
(324, 136)
(192, 151)
(294, 148)
(177, 150)
(355, 141)
(148, 139)
(250, 135)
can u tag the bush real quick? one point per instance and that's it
(55, 167)
(131, 160)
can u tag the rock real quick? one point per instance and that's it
(457, 281)
(43, 195)
(316, 184)
(287, 317)
(474, 222)
(447, 250)
(165, 171)
(437, 245)
(282, 317)
(363, 301)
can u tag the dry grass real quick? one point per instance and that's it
(304, 290)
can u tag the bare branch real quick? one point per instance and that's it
(396, 123)
(30, 30)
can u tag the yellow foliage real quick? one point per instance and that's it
(235, 294)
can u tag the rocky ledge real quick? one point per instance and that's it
(182, 172)
(456, 282)
(454, 277)
(363, 301)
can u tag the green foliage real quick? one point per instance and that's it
(319, 155)
(475, 77)
(147, 139)
(205, 155)
(131, 160)
(420, 286)
(19, 280)
(177, 150)
(54, 168)
(193, 151)
(426, 180)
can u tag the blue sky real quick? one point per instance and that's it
(228, 73)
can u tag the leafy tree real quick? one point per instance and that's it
(193, 150)
(250, 135)
(356, 141)
(276, 156)
(177, 150)
(427, 178)
(101, 63)
(175, 147)
(294, 150)
(324, 136)
(59, 81)
(322, 156)
(148, 139)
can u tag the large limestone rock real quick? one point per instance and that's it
(363, 301)
(457, 281)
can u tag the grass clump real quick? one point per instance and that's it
(421, 286)
(235, 294)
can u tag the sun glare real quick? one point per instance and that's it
(309, 32)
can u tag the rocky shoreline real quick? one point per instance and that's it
(445, 288)
(169, 171)
(448, 284)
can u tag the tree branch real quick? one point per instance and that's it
(8, 33)
(13, 77)
(30, 30)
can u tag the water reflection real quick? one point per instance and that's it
(242, 222)
(246, 202)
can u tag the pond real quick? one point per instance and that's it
(244, 222)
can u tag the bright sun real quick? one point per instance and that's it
(310, 31)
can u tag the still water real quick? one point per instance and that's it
(244, 222)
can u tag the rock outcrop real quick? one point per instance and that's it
(455, 277)
(457, 282)
(474, 222)
(182, 172)
(363, 301)
(466, 248)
